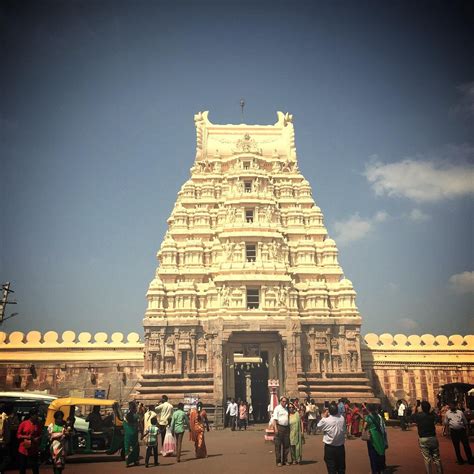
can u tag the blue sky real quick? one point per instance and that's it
(97, 137)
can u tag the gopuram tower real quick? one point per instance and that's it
(249, 288)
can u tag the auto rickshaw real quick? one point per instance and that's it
(102, 435)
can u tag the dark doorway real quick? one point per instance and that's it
(257, 372)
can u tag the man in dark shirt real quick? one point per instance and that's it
(429, 446)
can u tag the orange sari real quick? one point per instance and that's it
(196, 433)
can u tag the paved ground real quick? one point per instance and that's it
(246, 452)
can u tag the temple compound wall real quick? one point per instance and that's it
(412, 367)
(67, 364)
(416, 367)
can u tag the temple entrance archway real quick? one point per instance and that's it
(250, 359)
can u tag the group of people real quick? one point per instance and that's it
(238, 414)
(150, 424)
(166, 423)
(291, 420)
(29, 437)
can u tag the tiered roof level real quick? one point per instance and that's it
(246, 220)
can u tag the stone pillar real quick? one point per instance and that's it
(218, 380)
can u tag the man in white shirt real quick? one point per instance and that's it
(401, 415)
(333, 426)
(281, 427)
(164, 412)
(456, 421)
(313, 413)
(232, 411)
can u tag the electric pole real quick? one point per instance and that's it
(5, 292)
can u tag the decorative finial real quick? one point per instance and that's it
(242, 105)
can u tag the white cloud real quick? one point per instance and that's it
(417, 215)
(462, 283)
(408, 324)
(381, 216)
(356, 228)
(448, 174)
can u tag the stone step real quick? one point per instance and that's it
(334, 389)
(332, 381)
(198, 375)
(353, 397)
(331, 375)
(175, 382)
(172, 389)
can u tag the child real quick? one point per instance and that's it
(152, 441)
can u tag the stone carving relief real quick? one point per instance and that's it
(170, 356)
(247, 144)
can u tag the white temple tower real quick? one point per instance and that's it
(249, 287)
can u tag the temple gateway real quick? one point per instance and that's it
(248, 287)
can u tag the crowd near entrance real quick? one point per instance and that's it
(250, 360)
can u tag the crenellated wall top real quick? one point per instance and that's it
(401, 342)
(68, 340)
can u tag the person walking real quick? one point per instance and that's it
(356, 421)
(377, 442)
(281, 428)
(198, 422)
(151, 435)
(130, 427)
(29, 435)
(164, 412)
(457, 424)
(243, 414)
(57, 433)
(402, 415)
(232, 411)
(333, 426)
(179, 423)
(296, 434)
(227, 416)
(429, 446)
(311, 410)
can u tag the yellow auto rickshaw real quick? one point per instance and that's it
(95, 425)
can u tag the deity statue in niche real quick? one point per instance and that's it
(237, 254)
(228, 249)
(273, 250)
(354, 362)
(264, 252)
(337, 363)
(268, 214)
(282, 296)
(170, 354)
(225, 294)
(148, 361)
(231, 214)
(326, 362)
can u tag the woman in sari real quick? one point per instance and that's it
(356, 422)
(57, 436)
(348, 414)
(130, 427)
(377, 444)
(296, 434)
(198, 422)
